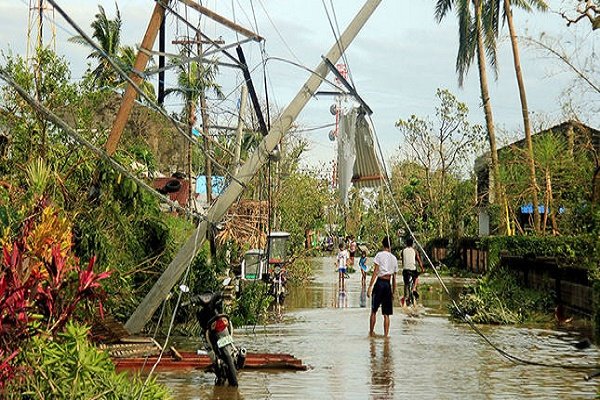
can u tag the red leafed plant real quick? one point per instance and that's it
(41, 284)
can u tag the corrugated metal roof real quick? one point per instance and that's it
(367, 172)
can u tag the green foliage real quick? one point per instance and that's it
(497, 298)
(38, 176)
(71, 368)
(299, 271)
(428, 181)
(301, 204)
(252, 305)
(568, 250)
(32, 136)
(564, 168)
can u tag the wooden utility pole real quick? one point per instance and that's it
(223, 21)
(240, 129)
(257, 160)
(141, 61)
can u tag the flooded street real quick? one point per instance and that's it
(426, 357)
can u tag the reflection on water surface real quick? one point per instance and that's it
(426, 357)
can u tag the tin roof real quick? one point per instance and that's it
(181, 196)
(367, 172)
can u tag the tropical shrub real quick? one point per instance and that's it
(42, 285)
(252, 305)
(69, 367)
(567, 250)
(497, 298)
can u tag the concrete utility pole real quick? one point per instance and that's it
(240, 129)
(205, 128)
(257, 159)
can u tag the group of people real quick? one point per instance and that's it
(383, 281)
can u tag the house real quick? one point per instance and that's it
(177, 189)
(577, 135)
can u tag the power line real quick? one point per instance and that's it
(278, 32)
(124, 75)
(466, 318)
(50, 116)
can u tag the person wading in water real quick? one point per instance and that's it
(383, 286)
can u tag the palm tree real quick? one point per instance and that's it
(126, 60)
(526, 5)
(477, 27)
(107, 33)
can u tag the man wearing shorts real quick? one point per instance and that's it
(410, 258)
(383, 286)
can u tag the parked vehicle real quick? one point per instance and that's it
(277, 283)
(217, 334)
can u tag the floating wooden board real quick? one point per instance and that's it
(190, 360)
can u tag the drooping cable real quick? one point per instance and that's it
(285, 43)
(466, 318)
(50, 116)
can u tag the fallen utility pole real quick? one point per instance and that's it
(140, 63)
(256, 160)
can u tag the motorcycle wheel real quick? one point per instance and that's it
(231, 371)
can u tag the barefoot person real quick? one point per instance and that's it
(362, 263)
(341, 262)
(383, 286)
(410, 259)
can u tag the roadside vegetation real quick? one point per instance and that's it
(81, 239)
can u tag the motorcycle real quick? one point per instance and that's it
(277, 278)
(217, 334)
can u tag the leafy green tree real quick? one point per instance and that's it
(299, 196)
(443, 153)
(31, 135)
(107, 33)
(566, 170)
(194, 80)
(300, 205)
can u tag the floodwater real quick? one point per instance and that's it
(426, 356)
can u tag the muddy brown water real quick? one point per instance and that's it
(426, 356)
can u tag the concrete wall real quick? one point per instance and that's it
(571, 286)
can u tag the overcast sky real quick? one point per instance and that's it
(397, 61)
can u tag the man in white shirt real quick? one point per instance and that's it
(410, 258)
(383, 286)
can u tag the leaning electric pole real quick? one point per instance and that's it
(256, 160)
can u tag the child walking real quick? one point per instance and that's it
(362, 263)
(341, 261)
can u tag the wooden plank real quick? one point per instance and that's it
(189, 360)
(140, 65)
